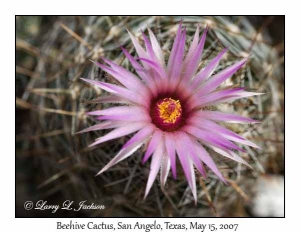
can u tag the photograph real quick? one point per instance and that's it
(147, 116)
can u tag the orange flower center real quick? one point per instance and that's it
(169, 110)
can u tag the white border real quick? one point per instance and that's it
(7, 42)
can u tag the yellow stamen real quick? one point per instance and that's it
(169, 110)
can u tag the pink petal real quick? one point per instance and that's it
(165, 168)
(159, 70)
(155, 165)
(241, 141)
(156, 138)
(193, 61)
(231, 155)
(119, 91)
(205, 157)
(243, 94)
(186, 140)
(186, 162)
(208, 70)
(193, 180)
(102, 125)
(209, 125)
(174, 49)
(123, 154)
(141, 71)
(125, 118)
(210, 138)
(227, 117)
(192, 48)
(228, 134)
(142, 135)
(140, 51)
(220, 77)
(170, 149)
(176, 58)
(108, 99)
(125, 77)
(215, 97)
(123, 112)
(119, 132)
(149, 49)
(157, 49)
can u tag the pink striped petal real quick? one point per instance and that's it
(228, 134)
(231, 155)
(194, 59)
(149, 49)
(119, 91)
(170, 149)
(174, 49)
(175, 60)
(229, 95)
(205, 157)
(208, 70)
(119, 132)
(165, 168)
(123, 154)
(186, 162)
(122, 111)
(142, 135)
(102, 125)
(125, 77)
(141, 71)
(156, 138)
(193, 47)
(186, 140)
(227, 117)
(193, 180)
(241, 141)
(211, 138)
(209, 125)
(243, 94)
(159, 70)
(155, 165)
(157, 49)
(129, 118)
(107, 99)
(215, 97)
(140, 51)
(220, 77)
